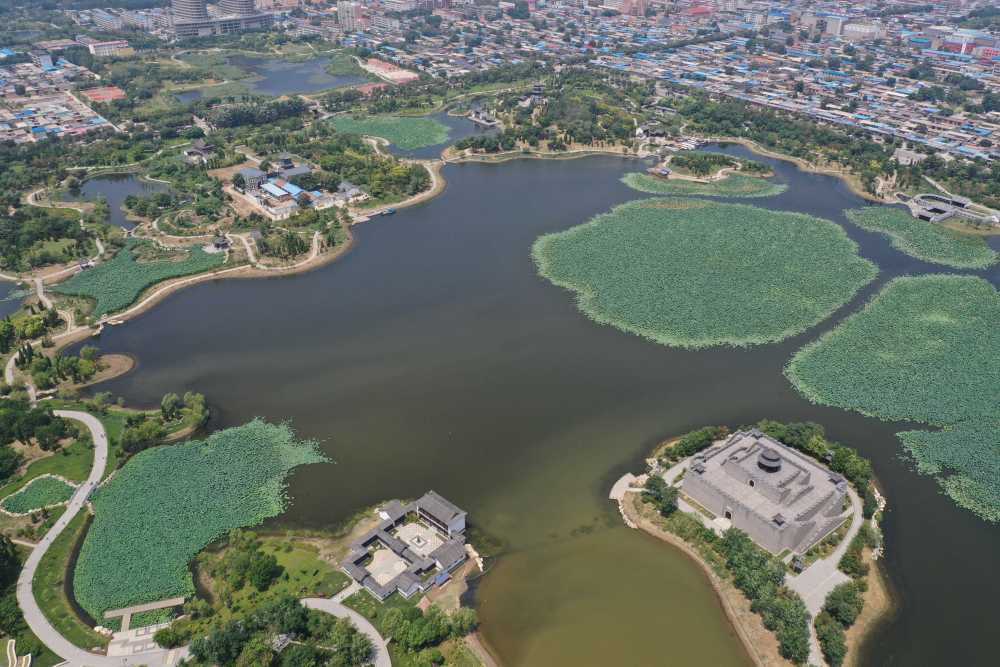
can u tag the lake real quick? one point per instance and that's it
(11, 296)
(432, 356)
(115, 188)
(276, 77)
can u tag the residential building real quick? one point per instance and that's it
(117, 47)
(189, 11)
(107, 21)
(350, 14)
(237, 7)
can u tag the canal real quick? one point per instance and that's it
(432, 356)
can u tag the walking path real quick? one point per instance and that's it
(33, 616)
(335, 608)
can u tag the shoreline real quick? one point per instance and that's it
(759, 643)
(723, 594)
(849, 179)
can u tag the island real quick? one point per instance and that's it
(785, 529)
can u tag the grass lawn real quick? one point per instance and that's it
(306, 574)
(72, 462)
(50, 593)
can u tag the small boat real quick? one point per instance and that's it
(389, 211)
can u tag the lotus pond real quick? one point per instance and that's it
(695, 273)
(923, 240)
(925, 350)
(168, 503)
(404, 132)
(43, 491)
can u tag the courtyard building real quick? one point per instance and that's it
(414, 548)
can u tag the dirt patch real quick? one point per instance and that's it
(225, 174)
(879, 606)
(448, 597)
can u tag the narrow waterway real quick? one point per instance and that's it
(433, 356)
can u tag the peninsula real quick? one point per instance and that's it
(785, 530)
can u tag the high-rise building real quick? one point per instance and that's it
(237, 7)
(349, 15)
(189, 11)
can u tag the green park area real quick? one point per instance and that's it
(117, 284)
(924, 240)
(403, 132)
(648, 267)
(44, 491)
(167, 503)
(734, 185)
(923, 350)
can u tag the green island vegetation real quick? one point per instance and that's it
(342, 63)
(649, 266)
(344, 157)
(921, 350)
(22, 423)
(433, 94)
(406, 132)
(419, 637)
(167, 503)
(30, 322)
(706, 163)
(580, 108)
(117, 283)
(924, 240)
(48, 371)
(245, 574)
(733, 185)
(43, 491)
(756, 573)
(33, 237)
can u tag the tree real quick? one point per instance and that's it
(10, 564)
(170, 406)
(660, 494)
(845, 602)
(831, 639)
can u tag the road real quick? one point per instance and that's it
(335, 608)
(33, 616)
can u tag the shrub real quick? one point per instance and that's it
(845, 602)
(831, 638)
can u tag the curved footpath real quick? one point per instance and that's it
(138, 649)
(33, 616)
(333, 607)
